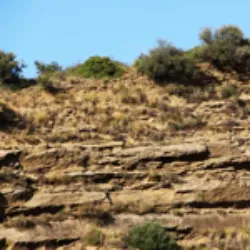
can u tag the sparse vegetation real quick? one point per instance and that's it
(186, 123)
(246, 110)
(95, 237)
(47, 68)
(40, 117)
(228, 91)
(46, 83)
(150, 236)
(132, 97)
(192, 93)
(47, 73)
(8, 117)
(22, 223)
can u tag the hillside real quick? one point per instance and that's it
(109, 154)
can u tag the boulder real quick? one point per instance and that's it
(8, 157)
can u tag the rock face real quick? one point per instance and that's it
(55, 158)
(3, 206)
(107, 155)
(54, 197)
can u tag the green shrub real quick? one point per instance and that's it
(242, 59)
(137, 60)
(95, 237)
(10, 68)
(150, 236)
(206, 35)
(43, 68)
(228, 91)
(167, 63)
(226, 48)
(99, 68)
(194, 54)
(246, 110)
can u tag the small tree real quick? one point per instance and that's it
(10, 68)
(150, 236)
(166, 63)
(100, 67)
(226, 48)
(137, 60)
(206, 35)
(229, 33)
(43, 68)
(242, 59)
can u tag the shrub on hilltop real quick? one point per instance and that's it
(226, 48)
(100, 67)
(47, 68)
(10, 68)
(48, 72)
(166, 63)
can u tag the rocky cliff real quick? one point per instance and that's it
(106, 155)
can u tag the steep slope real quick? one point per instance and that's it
(110, 155)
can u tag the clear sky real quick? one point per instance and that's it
(69, 31)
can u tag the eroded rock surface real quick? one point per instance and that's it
(51, 198)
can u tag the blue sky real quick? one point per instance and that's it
(69, 31)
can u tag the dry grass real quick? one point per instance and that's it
(40, 117)
(191, 122)
(22, 223)
(130, 108)
(8, 117)
(95, 237)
